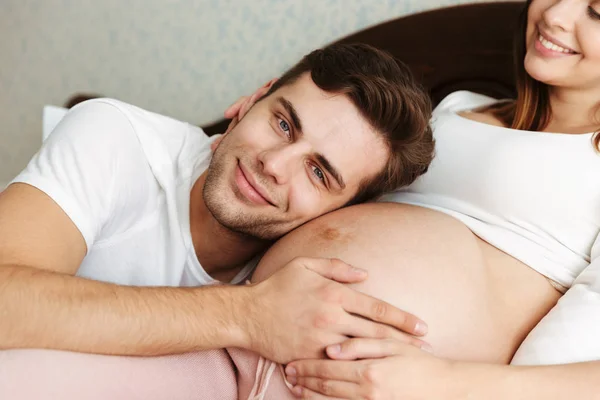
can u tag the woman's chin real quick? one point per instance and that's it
(540, 72)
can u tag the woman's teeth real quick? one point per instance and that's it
(551, 46)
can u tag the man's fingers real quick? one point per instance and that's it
(334, 269)
(349, 371)
(316, 388)
(380, 311)
(359, 348)
(373, 340)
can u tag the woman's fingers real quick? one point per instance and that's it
(244, 103)
(371, 340)
(360, 348)
(317, 388)
(348, 371)
(246, 106)
(234, 109)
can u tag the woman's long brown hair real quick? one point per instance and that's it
(531, 110)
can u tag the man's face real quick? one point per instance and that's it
(297, 154)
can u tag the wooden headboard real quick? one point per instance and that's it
(462, 47)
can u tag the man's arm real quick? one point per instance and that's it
(42, 309)
(43, 305)
(79, 176)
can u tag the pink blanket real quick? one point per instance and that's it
(216, 374)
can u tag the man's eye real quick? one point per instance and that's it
(285, 127)
(318, 173)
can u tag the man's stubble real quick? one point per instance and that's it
(232, 213)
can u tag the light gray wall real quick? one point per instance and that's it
(187, 59)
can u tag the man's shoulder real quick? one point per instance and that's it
(164, 139)
(137, 117)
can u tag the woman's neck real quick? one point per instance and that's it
(574, 111)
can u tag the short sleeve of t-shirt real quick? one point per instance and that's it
(90, 161)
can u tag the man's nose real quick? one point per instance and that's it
(282, 162)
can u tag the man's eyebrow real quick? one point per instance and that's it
(285, 103)
(331, 169)
(321, 159)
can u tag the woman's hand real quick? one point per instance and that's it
(237, 110)
(243, 104)
(375, 369)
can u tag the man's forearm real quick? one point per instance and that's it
(579, 381)
(40, 309)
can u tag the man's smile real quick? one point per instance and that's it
(249, 187)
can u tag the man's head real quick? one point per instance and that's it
(345, 124)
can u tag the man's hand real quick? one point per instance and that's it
(304, 307)
(375, 369)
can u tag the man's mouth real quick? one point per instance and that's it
(250, 188)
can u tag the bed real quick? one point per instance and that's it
(462, 47)
(466, 47)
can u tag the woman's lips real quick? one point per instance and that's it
(549, 46)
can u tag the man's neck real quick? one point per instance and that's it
(218, 249)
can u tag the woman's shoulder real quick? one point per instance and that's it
(483, 116)
(469, 105)
(463, 100)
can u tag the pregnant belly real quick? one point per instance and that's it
(479, 302)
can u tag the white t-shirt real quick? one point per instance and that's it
(124, 175)
(533, 195)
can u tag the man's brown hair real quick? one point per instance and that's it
(387, 95)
